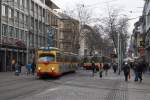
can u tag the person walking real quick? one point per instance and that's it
(115, 67)
(13, 62)
(135, 68)
(93, 68)
(33, 68)
(33, 65)
(126, 70)
(140, 70)
(100, 70)
(106, 67)
(17, 69)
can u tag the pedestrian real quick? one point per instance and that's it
(115, 67)
(106, 67)
(135, 68)
(13, 62)
(93, 68)
(126, 70)
(17, 69)
(33, 65)
(140, 69)
(100, 70)
(33, 68)
(29, 68)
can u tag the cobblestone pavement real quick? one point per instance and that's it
(78, 86)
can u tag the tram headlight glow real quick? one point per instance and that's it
(39, 68)
(52, 68)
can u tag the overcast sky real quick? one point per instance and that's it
(132, 8)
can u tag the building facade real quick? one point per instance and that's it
(24, 28)
(68, 33)
(138, 39)
(146, 27)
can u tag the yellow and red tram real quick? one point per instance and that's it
(52, 62)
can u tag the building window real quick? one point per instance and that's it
(4, 29)
(21, 17)
(22, 34)
(25, 21)
(11, 31)
(32, 23)
(16, 1)
(40, 26)
(44, 28)
(10, 13)
(3, 10)
(36, 40)
(31, 39)
(25, 4)
(43, 12)
(36, 25)
(32, 6)
(25, 35)
(42, 1)
(16, 16)
(17, 33)
(19, 37)
(21, 2)
(36, 10)
(6, 11)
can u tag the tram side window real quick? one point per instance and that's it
(74, 59)
(59, 57)
(67, 58)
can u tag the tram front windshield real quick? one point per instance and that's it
(46, 58)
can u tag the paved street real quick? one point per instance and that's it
(76, 86)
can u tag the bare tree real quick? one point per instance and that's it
(114, 25)
(84, 15)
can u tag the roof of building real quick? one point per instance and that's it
(64, 16)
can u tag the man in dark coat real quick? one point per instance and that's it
(106, 67)
(135, 68)
(140, 69)
(115, 67)
(93, 68)
(126, 70)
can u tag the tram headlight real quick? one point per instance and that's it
(39, 68)
(52, 68)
